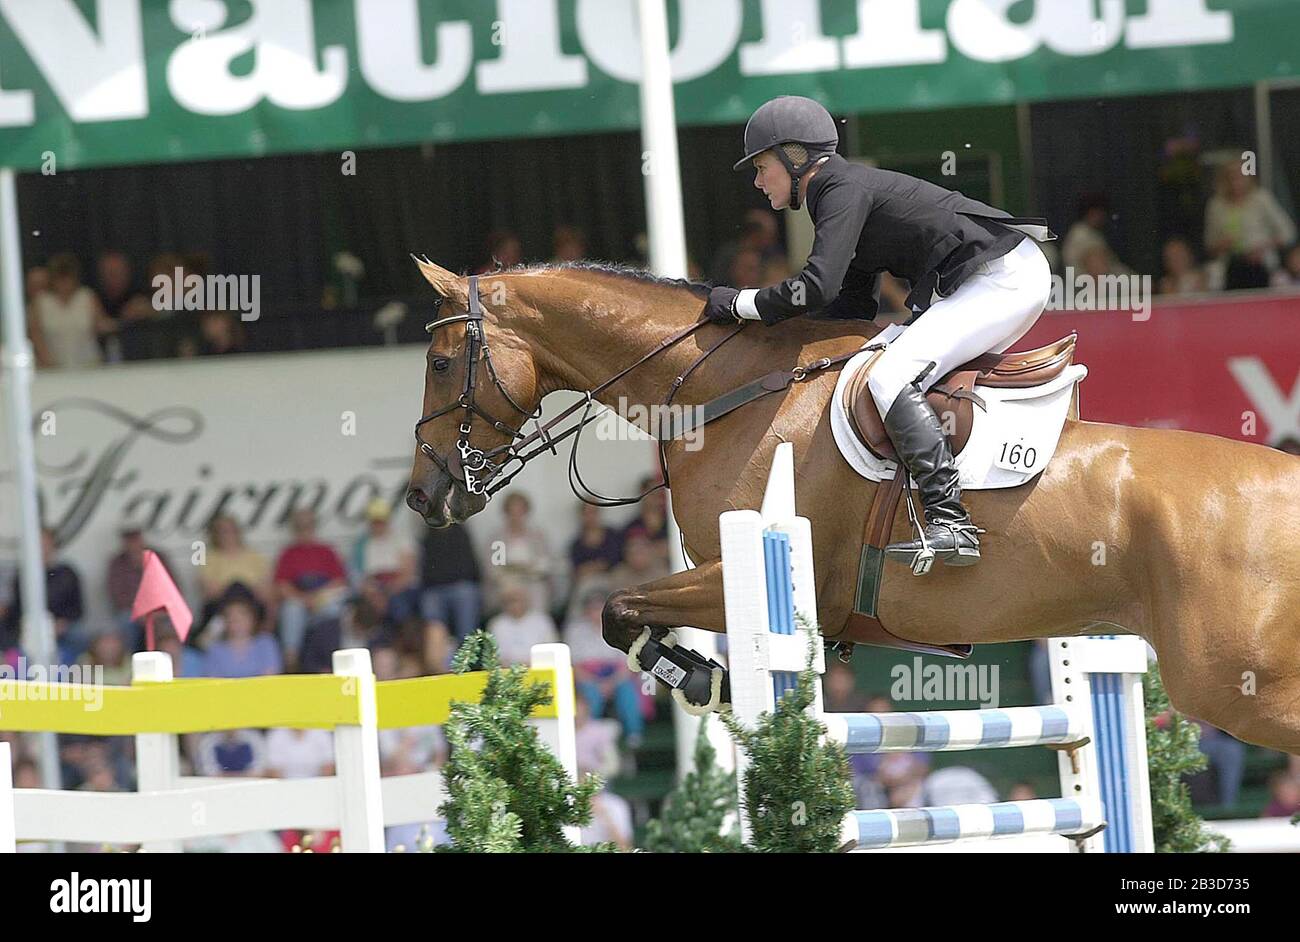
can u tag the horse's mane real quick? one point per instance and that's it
(698, 288)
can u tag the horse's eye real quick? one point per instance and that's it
(440, 364)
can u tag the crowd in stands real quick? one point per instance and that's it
(1247, 241)
(411, 602)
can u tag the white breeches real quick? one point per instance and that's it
(992, 309)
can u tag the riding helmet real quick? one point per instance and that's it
(790, 119)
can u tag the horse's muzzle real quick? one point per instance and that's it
(444, 502)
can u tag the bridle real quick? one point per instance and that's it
(472, 466)
(483, 472)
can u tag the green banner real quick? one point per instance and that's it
(91, 82)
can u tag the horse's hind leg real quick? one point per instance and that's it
(692, 598)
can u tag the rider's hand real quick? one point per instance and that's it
(721, 308)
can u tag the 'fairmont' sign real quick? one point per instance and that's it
(115, 81)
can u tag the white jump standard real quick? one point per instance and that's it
(1097, 722)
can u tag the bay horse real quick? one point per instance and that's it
(1189, 540)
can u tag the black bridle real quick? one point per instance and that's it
(478, 470)
(472, 466)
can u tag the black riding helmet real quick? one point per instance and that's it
(790, 119)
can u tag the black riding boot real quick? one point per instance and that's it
(919, 441)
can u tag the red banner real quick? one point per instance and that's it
(1228, 364)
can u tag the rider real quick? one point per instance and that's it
(977, 285)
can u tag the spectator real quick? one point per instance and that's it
(519, 626)
(360, 624)
(597, 742)
(902, 774)
(106, 650)
(1022, 791)
(600, 672)
(841, 689)
(116, 288)
(595, 549)
(450, 580)
(1244, 229)
(957, 785)
(229, 562)
(841, 696)
(240, 752)
(570, 244)
(421, 647)
(63, 600)
(299, 753)
(611, 814)
(1284, 795)
(758, 233)
(641, 564)
(242, 650)
(1227, 757)
(164, 269)
(220, 332)
(651, 520)
(503, 250)
(775, 271)
(594, 552)
(387, 555)
(309, 580)
(520, 553)
(125, 570)
(1288, 273)
(746, 270)
(35, 284)
(1087, 234)
(67, 321)
(1182, 274)
(187, 660)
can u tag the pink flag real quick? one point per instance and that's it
(158, 592)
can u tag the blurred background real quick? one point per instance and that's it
(305, 147)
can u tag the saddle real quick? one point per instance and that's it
(953, 398)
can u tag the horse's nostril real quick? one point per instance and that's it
(417, 500)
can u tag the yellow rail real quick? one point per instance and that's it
(295, 701)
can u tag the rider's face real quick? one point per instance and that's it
(773, 179)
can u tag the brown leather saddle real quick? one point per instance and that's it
(953, 399)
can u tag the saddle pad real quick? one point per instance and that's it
(1009, 444)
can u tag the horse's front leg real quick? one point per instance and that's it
(639, 619)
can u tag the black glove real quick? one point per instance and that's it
(721, 308)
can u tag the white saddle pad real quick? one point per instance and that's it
(1009, 443)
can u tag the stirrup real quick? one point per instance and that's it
(924, 558)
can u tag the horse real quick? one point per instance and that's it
(1188, 540)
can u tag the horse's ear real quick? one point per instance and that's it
(449, 285)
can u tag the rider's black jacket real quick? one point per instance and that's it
(870, 220)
